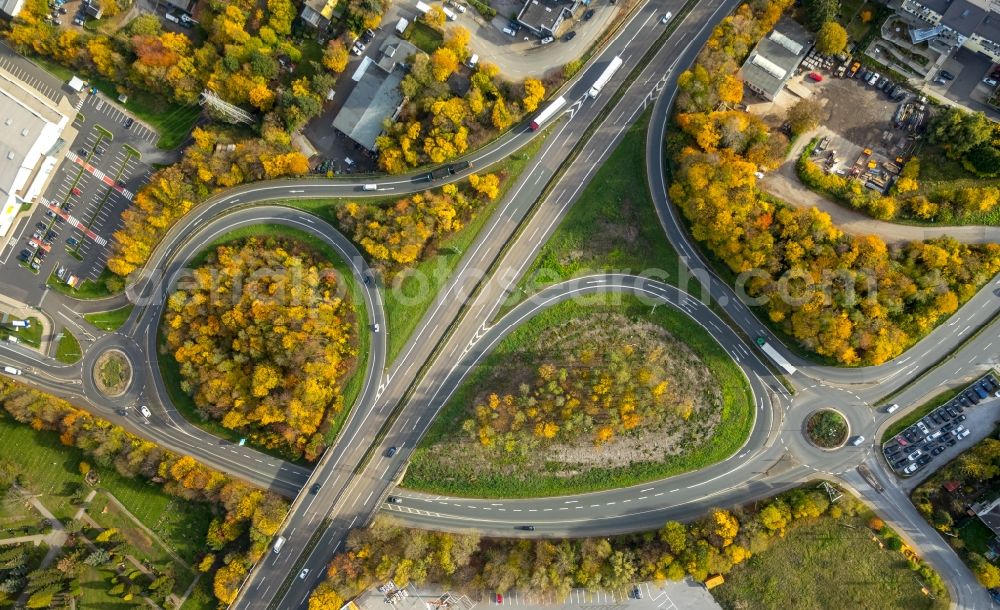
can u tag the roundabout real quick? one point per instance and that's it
(112, 373)
(827, 429)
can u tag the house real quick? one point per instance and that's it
(376, 95)
(973, 24)
(34, 132)
(989, 514)
(543, 17)
(318, 13)
(775, 58)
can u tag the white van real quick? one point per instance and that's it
(12, 339)
(11, 370)
(369, 187)
(278, 543)
(473, 61)
(172, 17)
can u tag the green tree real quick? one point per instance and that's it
(806, 114)
(819, 12)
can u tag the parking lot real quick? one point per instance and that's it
(68, 233)
(947, 430)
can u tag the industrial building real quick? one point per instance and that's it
(35, 131)
(775, 58)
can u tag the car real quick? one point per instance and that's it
(948, 427)
(913, 456)
(888, 86)
(67, 206)
(391, 452)
(394, 500)
(815, 76)
(11, 370)
(71, 241)
(857, 442)
(950, 442)
(50, 234)
(957, 431)
(666, 17)
(315, 488)
(359, 45)
(122, 412)
(42, 226)
(881, 83)
(636, 593)
(992, 82)
(499, 598)
(527, 528)
(509, 31)
(547, 40)
(936, 418)
(951, 411)
(98, 151)
(128, 123)
(81, 152)
(304, 573)
(588, 15)
(78, 20)
(35, 265)
(458, 6)
(367, 36)
(923, 427)
(569, 36)
(355, 50)
(892, 408)
(972, 397)
(939, 81)
(946, 75)
(911, 468)
(375, 328)
(24, 255)
(937, 450)
(76, 191)
(514, 25)
(924, 460)
(145, 411)
(874, 78)
(963, 434)
(899, 463)
(50, 213)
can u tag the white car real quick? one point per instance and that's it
(547, 40)
(375, 328)
(873, 78)
(963, 434)
(304, 573)
(913, 456)
(858, 441)
(666, 17)
(992, 82)
(145, 411)
(923, 428)
(509, 31)
(911, 468)
(959, 432)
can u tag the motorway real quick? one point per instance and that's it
(461, 327)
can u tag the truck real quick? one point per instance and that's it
(777, 358)
(605, 76)
(441, 172)
(549, 112)
(450, 14)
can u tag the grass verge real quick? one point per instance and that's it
(68, 348)
(170, 371)
(736, 417)
(110, 320)
(32, 335)
(88, 289)
(831, 563)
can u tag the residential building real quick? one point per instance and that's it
(376, 95)
(543, 17)
(34, 134)
(989, 514)
(11, 8)
(973, 24)
(775, 58)
(318, 13)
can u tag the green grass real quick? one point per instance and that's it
(68, 348)
(88, 289)
(27, 336)
(976, 537)
(110, 320)
(52, 470)
(613, 225)
(424, 37)
(911, 418)
(427, 474)
(170, 370)
(172, 121)
(828, 564)
(406, 306)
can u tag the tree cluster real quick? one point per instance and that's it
(239, 60)
(264, 339)
(214, 160)
(708, 546)
(852, 298)
(248, 519)
(402, 233)
(436, 124)
(972, 138)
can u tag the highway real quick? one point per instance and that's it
(461, 326)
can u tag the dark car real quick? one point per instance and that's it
(937, 450)
(960, 418)
(315, 488)
(936, 418)
(82, 152)
(42, 226)
(67, 206)
(527, 528)
(569, 36)
(391, 452)
(972, 397)
(25, 254)
(946, 75)
(514, 25)
(128, 123)
(900, 463)
(71, 241)
(951, 411)
(367, 279)
(950, 442)
(588, 15)
(923, 460)
(394, 500)
(50, 234)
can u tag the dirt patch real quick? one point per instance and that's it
(112, 373)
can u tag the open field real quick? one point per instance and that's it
(68, 347)
(437, 465)
(830, 564)
(31, 336)
(109, 320)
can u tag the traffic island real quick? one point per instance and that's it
(827, 429)
(112, 373)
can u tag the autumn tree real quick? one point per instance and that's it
(534, 93)
(444, 62)
(831, 38)
(435, 17)
(501, 116)
(804, 116)
(335, 56)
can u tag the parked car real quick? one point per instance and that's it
(569, 36)
(76, 191)
(547, 40)
(946, 75)
(588, 15)
(816, 76)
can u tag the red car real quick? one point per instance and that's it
(499, 598)
(76, 191)
(815, 76)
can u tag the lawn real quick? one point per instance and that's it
(613, 225)
(110, 320)
(28, 336)
(88, 289)
(427, 473)
(830, 564)
(424, 37)
(68, 347)
(937, 171)
(352, 386)
(911, 418)
(406, 305)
